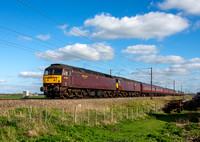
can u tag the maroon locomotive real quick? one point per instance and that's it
(63, 81)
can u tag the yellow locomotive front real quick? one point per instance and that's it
(52, 80)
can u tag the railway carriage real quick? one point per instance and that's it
(127, 87)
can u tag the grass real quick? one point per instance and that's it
(150, 128)
(45, 124)
(19, 96)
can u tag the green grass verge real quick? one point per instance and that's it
(19, 96)
(42, 126)
(140, 130)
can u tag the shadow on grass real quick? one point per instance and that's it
(190, 117)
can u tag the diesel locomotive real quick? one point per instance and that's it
(64, 81)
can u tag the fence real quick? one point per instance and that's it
(79, 114)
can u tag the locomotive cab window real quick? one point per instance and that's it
(48, 72)
(57, 72)
(53, 72)
(65, 72)
(116, 80)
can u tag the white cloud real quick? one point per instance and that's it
(194, 60)
(3, 80)
(157, 73)
(76, 52)
(25, 38)
(159, 59)
(37, 75)
(77, 31)
(187, 65)
(19, 88)
(11, 75)
(171, 72)
(196, 25)
(42, 68)
(176, 62)
(141, 49)
(44, 37)
(151, 25)
(188, 6)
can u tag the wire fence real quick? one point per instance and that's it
(75, 115)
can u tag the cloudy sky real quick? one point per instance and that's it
(127, 36)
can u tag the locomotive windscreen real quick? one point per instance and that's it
(53, 72)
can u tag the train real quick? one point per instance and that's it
(64, 81)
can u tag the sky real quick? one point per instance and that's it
(127, 37)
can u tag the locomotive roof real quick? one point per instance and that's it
(77, 69)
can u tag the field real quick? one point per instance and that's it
(18, 96)
(121, 119)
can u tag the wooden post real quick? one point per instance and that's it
(30, 113)
(126, 113)
(120, 113)
(40, 110)
(75, 114)
(104, 113)
(88, 116)
(132, 113)
(96, 117)
(111, 114)
(46, 115)
(62, 114)
(38, 114)
(137, 112)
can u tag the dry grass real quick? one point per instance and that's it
(69, 104)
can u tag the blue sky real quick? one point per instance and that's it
(127, 36)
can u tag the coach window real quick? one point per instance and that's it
(65, 72)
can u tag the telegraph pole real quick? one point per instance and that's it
(151, 95)
(110, 71)
(174, 84)
(151, 85)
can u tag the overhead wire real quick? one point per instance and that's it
(42, 41)
(33, 50)
(19, 38)
(83, 56)
(63, 25)
(59, 23)
(28, 36)
(16, 46)
(91, 40)
(34, 29)
(27, 26)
